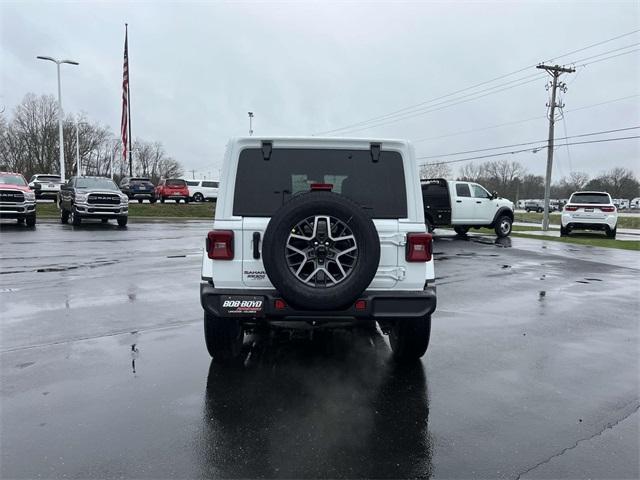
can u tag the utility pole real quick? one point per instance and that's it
(555, 71)
(250, 123)
(193, 173)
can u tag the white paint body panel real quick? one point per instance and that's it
(245, 272)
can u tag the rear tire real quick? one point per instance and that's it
(224, 338)
(139, 200)
(409, 338)
(122, 221)
(64, 216)
(177, 200)
(564, 231)
(104, 220)
(198, 197)
(461, 230)
(161, 199)
(611, 233)
(153, 200)
(186, 200)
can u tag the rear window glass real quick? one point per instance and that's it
(193, 183)
(48, 178)
(590, 198)
(262, 187)
(210, 184)
(176, 183)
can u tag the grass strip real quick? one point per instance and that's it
(147, 210)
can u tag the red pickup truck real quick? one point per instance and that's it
(172, 189)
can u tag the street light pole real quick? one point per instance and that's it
(250, 123)
(60, 114)
(78, 166)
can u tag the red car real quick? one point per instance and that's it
(172, 189)
(17, 200)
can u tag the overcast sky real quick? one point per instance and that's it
(303, 68)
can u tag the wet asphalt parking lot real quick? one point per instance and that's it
(532, 371)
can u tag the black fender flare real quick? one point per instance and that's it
(502, 211)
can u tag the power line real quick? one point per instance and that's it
(603, 132)
(463, 132)
(533, 150)
(426, 102)
(497, 89)
(458, 101)
(607, 52)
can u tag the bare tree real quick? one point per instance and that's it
(618, 182)
(470, 172)
(435, 170)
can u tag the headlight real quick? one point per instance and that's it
(124, 200)
(81, 197)
(29, 196)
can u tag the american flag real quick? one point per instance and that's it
(125, 98)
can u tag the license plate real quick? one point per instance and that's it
(588, 209)
(51, 185)
(242, 306)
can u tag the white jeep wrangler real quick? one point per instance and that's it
(318, 233)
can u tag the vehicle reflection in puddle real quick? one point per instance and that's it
(334, 406)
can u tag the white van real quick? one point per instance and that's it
(202, 190)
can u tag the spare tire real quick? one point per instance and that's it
(321, 250)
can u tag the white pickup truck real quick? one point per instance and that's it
(463, 205)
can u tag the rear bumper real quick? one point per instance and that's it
(379, 305)
(136, 194)
(586, 223)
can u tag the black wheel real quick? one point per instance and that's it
(564, 231)
(177, 200)
(20, 221)
(321, 250)
(540, 210)
(527, 210)
(611, 233)
(461, 230)
(104, 220)
(31, 221)
(122, 221)
(75, 218)
(223, 337)
(152, 200)
(503, 226)
(429, 225)
(64, 216)
(161, 199)
(139, 200)
(198, 197)
(186, 200)
(409, 338)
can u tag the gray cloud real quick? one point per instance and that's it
(197, 68)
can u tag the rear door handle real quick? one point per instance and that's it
(256, 245)
(458, 201)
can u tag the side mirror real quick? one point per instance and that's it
(494, 194)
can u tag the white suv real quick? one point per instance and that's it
(589, 211)
(318, 233)
(202, 190)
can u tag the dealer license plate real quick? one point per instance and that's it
(588, 209)
(242, 306)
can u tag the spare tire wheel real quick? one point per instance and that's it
(321, 250)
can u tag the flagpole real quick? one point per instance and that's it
(126, 28)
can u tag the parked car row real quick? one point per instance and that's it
(86, 197)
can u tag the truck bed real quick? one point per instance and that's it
(436, 200)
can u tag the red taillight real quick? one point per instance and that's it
(361, 305)
(220, 244)
(608, 209)
(570, 208)
(418, 247)
(279, 304)
(322, 187)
